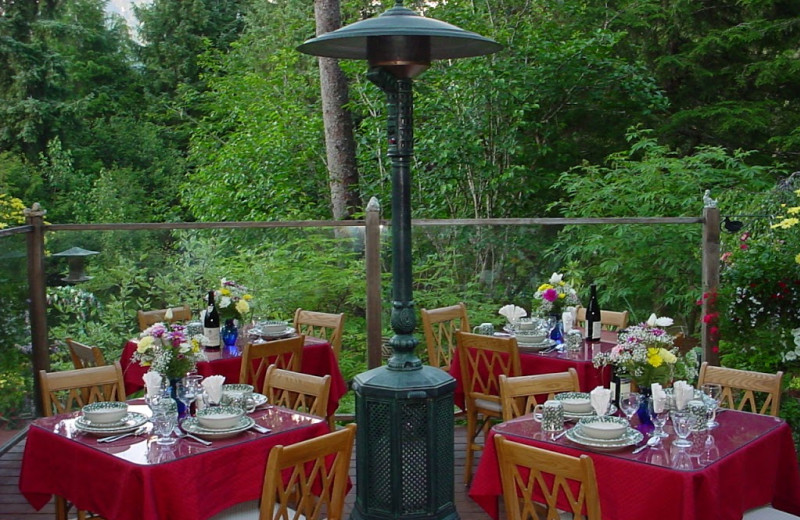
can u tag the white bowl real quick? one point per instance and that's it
(605, 427)
(219, 417)
(575, 402)
(105, 412)
(273, 327)
(530, 337)
(237, 388)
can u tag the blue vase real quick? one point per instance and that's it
(173, 392)
(229, 333)
(557, 334)
(643, 413)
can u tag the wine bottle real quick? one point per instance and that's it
(211, 323)
(593, 324)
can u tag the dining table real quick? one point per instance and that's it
(135, 478)
(559, 359)
(318, 359)
(746, 462)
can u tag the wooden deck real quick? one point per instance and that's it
(13, 505)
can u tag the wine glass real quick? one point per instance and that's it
(630, 404)
(659, 418)
(710, 451)
(712, 391)
(187, 392)
(682, 423)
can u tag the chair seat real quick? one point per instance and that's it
(492, 406)
(249, 511)
(767, 513)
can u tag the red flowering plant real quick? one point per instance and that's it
(757, 322)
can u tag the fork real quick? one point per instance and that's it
(182, 434)
(140, 430)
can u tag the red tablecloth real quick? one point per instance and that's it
(318, 360)
(757, 466)
(136, 479)
(533, 363)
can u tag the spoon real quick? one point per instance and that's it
(652, 441)
(140, 430)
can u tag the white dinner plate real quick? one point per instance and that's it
(128, 424)
(288, 331)
(260, 399)
(631, 437)
(190, 425)
(535, 347)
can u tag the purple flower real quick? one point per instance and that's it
(550, 295)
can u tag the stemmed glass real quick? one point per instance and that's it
(659, 418)
(630, 404)
(187, 391)
(713, 391)
(682, 423)
(710, 451)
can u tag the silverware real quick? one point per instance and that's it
(652, 441)
(182, 434)
(560, 435)
(140, 430)
(260, 429)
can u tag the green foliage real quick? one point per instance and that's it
(648, 180)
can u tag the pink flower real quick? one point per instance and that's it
(550, 295)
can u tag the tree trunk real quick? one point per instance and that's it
(339, 141)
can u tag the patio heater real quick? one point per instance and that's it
(76, 257)
(404, 410)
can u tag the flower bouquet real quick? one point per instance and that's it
(232, 299)
(647, 354)
(554, 296)
(168, 351)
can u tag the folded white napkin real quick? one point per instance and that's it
(659, 397)
(152, 381)
(600, 398)
(512, 313)
(567, 320)
(213, 387)
(684, 392)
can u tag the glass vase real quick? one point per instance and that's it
(173, 393)
(557, 334)
(229, 333)
(643, 413)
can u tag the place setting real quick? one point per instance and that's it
(109, 418)
(271, 329)
(532, 334)
(601, 430)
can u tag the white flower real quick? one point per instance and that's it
(663, 321)
(168, 315)
(555, 278)
(224, 302)
(651, 321)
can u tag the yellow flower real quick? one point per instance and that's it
(653, 357)
(248, 297)
(144, 344)
(195, 346)
(797, 258)
(786, 223)
(545, 286)
(242, 306)
(562, 295)
(225, 291)
(793, 211)
(668, 356)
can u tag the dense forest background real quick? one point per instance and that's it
(207, 112)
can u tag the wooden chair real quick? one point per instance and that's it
(440, 326)
(321, 325)
(610, 320)
(741, 385)
(70, 390)
(308, 478)
(85, 356)
(298, 391)
(482, 360)
(518, 394)
(526, 470)
(257, 357)
(147, 318)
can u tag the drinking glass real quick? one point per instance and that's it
(659, 419)
(165, 420)
(629, 404)
(710, 451)
(682, 423)
(713, 391)
(187, 392)
(681, 460)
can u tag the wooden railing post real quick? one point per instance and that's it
(711, 256)
(373, 265)
(40, 351)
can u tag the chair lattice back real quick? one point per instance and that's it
(84, 356)
(440, 326)
(610, 320)
(298, 391)
(147, 318)
(744, 388)
(308, 478)
(329, 327)
(70, 390)
(518, 394)
(483, 359)
(257, 357)
(528, 472)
